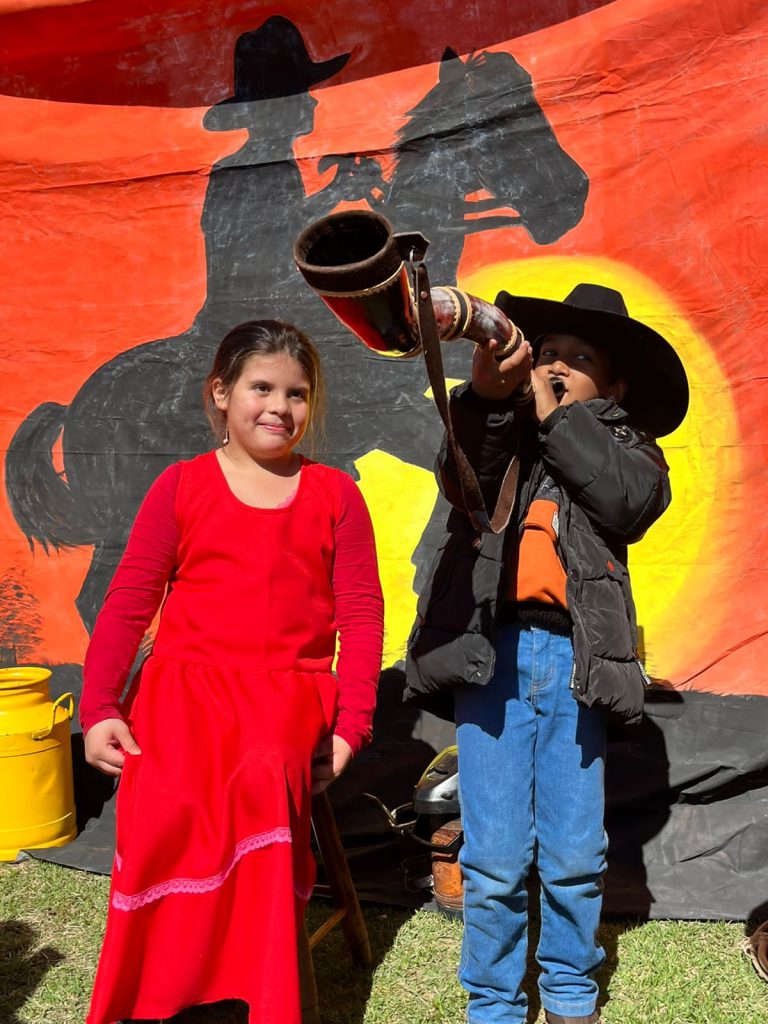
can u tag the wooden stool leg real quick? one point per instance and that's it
(310, 1007)
(340, 880)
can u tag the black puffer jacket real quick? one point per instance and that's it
(613, 484)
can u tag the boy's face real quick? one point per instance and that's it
(584, 369)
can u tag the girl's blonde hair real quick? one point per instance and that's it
(266, 338)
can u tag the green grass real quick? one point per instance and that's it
(669, 972)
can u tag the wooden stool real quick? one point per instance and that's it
(310, 1005)
(347, 911)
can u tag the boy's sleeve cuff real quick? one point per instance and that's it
(552, 420)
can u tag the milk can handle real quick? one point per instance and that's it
(43, 734)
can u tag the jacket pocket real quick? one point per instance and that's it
(615, 687)
(606, 613)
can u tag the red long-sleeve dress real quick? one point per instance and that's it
(213, 865)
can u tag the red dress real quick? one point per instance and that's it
(213, 865)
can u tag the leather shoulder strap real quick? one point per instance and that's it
(474, 503)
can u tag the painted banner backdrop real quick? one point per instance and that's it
(158, 160)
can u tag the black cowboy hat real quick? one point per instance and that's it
(270, 61)
(657, 387)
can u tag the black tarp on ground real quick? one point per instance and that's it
(687, 806)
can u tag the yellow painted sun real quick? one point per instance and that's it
(400, 498)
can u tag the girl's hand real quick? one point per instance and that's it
(544, 397)
(330, 759)
(494, 380)
(107, 743)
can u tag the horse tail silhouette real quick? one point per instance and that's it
(40, 498)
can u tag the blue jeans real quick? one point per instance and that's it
(531, 766)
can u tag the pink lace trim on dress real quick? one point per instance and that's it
(121, 901)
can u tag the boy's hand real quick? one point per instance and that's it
(330, 759)
(107, 743)
(544, 397)
(494, 380)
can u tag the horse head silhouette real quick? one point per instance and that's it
(481, 128)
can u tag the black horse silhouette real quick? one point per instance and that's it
(479, 128)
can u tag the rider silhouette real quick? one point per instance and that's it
(256, 205)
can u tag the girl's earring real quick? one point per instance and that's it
(225, 439)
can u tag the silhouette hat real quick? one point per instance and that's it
(270, 61)
(657, 386)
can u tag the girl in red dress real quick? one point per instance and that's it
(259, 557)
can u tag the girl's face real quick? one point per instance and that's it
(583, 368)
(267, 408)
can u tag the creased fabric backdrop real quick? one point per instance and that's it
(151, 188)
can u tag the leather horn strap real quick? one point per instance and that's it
(474, 503)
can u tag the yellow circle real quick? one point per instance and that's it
(681, 565)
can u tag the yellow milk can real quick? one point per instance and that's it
(37, 801)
